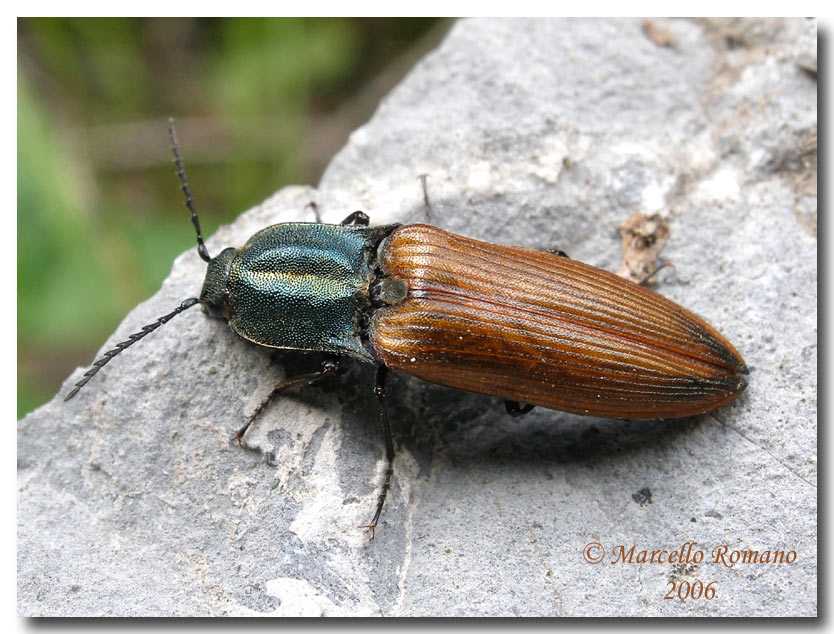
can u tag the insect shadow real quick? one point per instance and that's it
(436, 424)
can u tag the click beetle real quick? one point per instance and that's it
(534, 328)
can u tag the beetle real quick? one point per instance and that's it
(532, 327)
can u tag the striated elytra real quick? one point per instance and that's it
(532, 327)
(542, 329)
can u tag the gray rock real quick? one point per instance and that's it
(545, 133)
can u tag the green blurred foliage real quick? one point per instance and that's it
(100, 214)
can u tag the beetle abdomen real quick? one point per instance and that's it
(542, 329)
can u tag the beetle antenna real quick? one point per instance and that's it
(146, 330)
(201, 247)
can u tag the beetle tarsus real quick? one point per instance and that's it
(371, 529)
(379, 392)
(328, 367)
(427, 208)
(314, 206)
(516, 409)
(389, 474)
(645, 280)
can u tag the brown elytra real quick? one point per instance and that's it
(542, 329)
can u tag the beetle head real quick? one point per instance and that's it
(214, 296)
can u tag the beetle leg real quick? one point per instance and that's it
(312, 205)
(328, 367)
(426, 203)
(516, 409)
(379, 391)
(357, 218)
(645, 280)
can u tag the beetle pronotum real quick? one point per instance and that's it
(532, 327)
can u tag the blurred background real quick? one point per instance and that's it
(259, 104)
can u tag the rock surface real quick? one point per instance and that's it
(544, 133)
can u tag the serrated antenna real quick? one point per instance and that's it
(195, 220)
(146, 330)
